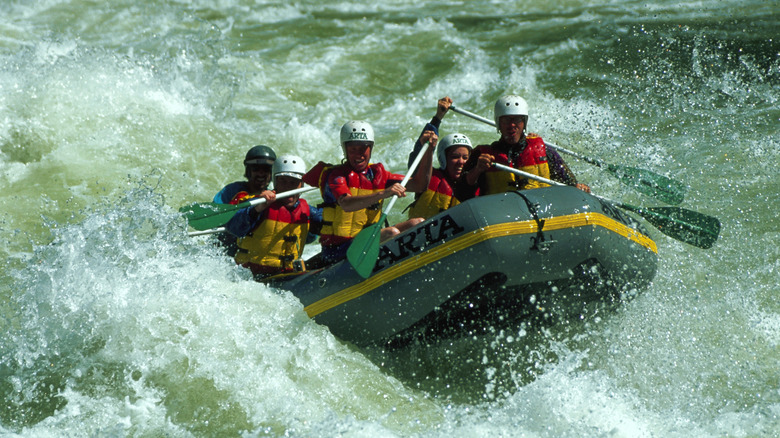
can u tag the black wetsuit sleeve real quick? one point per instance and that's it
(559, 171)
(244, 221)
(433, 125)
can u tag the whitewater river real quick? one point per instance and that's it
(113, 322)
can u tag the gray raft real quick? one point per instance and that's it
(491, 261)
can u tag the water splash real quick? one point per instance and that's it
(123, 318)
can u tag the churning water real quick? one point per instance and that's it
(115, 114)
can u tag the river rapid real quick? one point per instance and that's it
(114, 114)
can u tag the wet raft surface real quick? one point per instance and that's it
(492, 261)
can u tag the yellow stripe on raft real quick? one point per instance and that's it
(473, 238)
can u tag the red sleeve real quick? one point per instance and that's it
(388, 177)
(315, 176)
(393, 178)
(337, 183)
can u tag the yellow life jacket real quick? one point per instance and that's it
(532, 159)
(277, 240)
(317, 176)
(339, 226)
(437, 198)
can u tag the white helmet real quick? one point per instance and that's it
(447, 142)
(510, 105)
(356, 130)
(289, 165)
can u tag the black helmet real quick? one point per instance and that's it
(259, 154)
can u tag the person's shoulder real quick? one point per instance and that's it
(314, 211)
(236, 186)
(318, 174)
(438, 178)
(339, 171)
(227, 193)
(377, 167)
(535, 141)
(438, 173)
(340, 168)
(314, 208)
(379, 170)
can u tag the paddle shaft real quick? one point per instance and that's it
(644, 181)
(548, 181)
(204, 232)
(412, 169)
(530, 175)
(255, 201)
(472, 115)
(492, 123)
(204, 216)
(364, 249)
(678, 223)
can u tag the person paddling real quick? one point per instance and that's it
(258, 163)
(273, 234)
(513, 149)
(354, 190)
(257, 170)
(452, 153)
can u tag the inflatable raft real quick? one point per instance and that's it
(488, 262)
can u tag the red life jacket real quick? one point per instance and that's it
(437, 198)
(339, 226)
(532, 159)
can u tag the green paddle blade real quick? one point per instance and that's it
(206, 215)
(363, 252)
(364, 249)
(649, 183)
(684, 225)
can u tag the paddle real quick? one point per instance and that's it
(204, 232)
(644, 181)
(364, 249)
(678, 223)
(206, 215)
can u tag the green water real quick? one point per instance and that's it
(114, 114)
